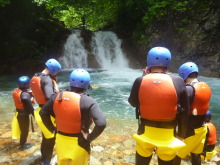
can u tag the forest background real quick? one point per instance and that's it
(32, 31)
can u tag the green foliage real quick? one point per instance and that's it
(4, 2)
(158, 10)
(93, 14)
(28, 34)
(135, 15)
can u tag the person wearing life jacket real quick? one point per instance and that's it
(161, 103)
(23, 100)
(43, 85)
(211, 138)
(199, 94)
(74, 112)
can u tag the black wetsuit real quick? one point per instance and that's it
(181, 117)
(89, 110)
(49, 89)
(194, 123)
(23, 115)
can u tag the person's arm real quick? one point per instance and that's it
(47, 86)
(26, 100)
(133, 98)
(46, 112)
(186, 98)
(184, 113)
(183, 101)
(91, 110)
(190, 93)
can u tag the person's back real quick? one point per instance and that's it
(199, 94)
(74, 112)
(211, 138)
(158, 97)
(43, 85)
(23, 100)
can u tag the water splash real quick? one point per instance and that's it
(75, 55)
(107, 49)
(105, 46)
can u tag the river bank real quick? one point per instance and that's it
(107, 149)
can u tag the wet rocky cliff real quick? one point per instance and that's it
(196, 40)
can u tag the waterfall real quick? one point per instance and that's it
(105, 50)
(75, 55)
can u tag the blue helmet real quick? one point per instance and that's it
(23, 82)
(186, 69)
(208, 116)
(53, 66)
(158, 56)
(80, 78)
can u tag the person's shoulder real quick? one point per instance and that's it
(45, 78)
(25, 95)
(42, 75)
(139, 79)
(175, 77)
(87, 98)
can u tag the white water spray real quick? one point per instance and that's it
(75, 55)
(105, 46)
(107, 49)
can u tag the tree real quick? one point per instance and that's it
(94, 14)
(4, 2)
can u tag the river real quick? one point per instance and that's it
(111, 88)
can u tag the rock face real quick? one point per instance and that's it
(200, 43)
(198, 40)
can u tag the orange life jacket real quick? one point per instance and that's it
(158, 98)
(67, 112)
(212, 134)
(200, 104)
(17, 99)
(37, 89)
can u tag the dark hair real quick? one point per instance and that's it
(193, 75)
(77, 90)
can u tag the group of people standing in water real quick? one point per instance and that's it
(173, 113)
(64, 117)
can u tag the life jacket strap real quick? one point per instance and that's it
(69, 134)
(159, 124)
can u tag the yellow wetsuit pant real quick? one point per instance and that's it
(160, 140)
(69, 152)
(195, 143)
(16, 132)
(43, 128)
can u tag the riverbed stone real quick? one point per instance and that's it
(97, 148)
(94, 161)
(7, 134)
(108, 163)
(130, 143)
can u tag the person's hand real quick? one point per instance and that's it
(85, 135)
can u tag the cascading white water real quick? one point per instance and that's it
(107, 49)
(75, 55)
(105, 46)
